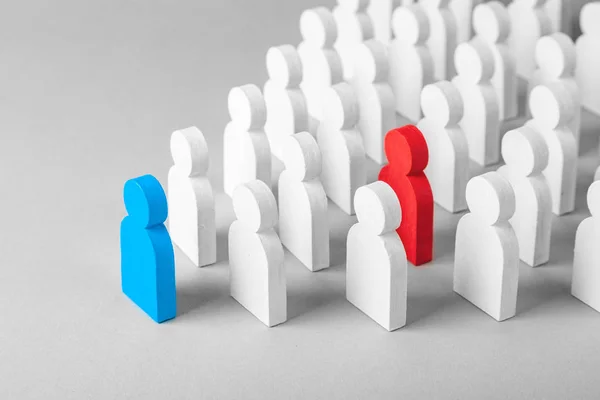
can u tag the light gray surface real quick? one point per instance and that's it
(89, 94)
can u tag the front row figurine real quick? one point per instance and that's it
(147, 260)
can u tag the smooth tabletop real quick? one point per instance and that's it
(89, 95)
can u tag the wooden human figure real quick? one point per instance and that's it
(526, 156)
(257, 276)
(341, 145)
(491, 23)
(586, 274)
(551, 107)
(407, 154)
(147, 259)
(375, 97)
(354, 27)
(191, 200)
(411, 62)
(529, 22)
(376, 266)
(321, 63)
(287, 111)
(442, 37)
(448, 167)
(486, 264)
(303, 226)
(556, 58)
(588, 57)
(463, 12)
(246, 150)
(481, 118)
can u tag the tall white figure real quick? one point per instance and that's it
(463, 12)
(481, 119)
(246, 150)
(586, 274)
(191, 200)
(551, 107)
(321, 63)
(491, 23)
(448, 167)
(529, 22)
(303, 226)
(411, 63)
(354, 27)
(257, 276)
(486, 265)
(442, 37)
(287, 112)
(588, 57)
(375, 97)
(341, 147)
(556, 58)
(376, 266)
(526, 156)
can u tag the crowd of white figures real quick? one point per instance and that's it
(451, 68)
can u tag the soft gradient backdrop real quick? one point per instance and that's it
(90, 92)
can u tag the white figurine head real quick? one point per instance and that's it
(284, 66)
(302, 156)
(377, 208)
(190, 151)
(318, 27)
(525, 151)
(442, 102)
(491, 198)
(255, 206)
(247, 107)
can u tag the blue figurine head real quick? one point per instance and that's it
(145, 201)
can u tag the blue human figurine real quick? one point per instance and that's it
(147, 259)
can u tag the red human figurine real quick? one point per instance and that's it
(407, 154)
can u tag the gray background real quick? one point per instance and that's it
(89, 94)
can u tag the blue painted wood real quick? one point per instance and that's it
(147, 259)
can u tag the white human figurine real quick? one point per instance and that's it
(491, 23)
(463, 12)
(246, 150)
(375, 97)
(303, 226)
(376, 266)
(354, 26)
(191, 200)
(287, 112)
(481, 119)
(526, 156)
(586, 274)
(551, 108)
(448, 168)
(257, 275)
(556, 58)
(321, 63)
(442, 39)
(588, 57)
(411, 63)
(529, 22)
(486, 264)
(342, 151)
